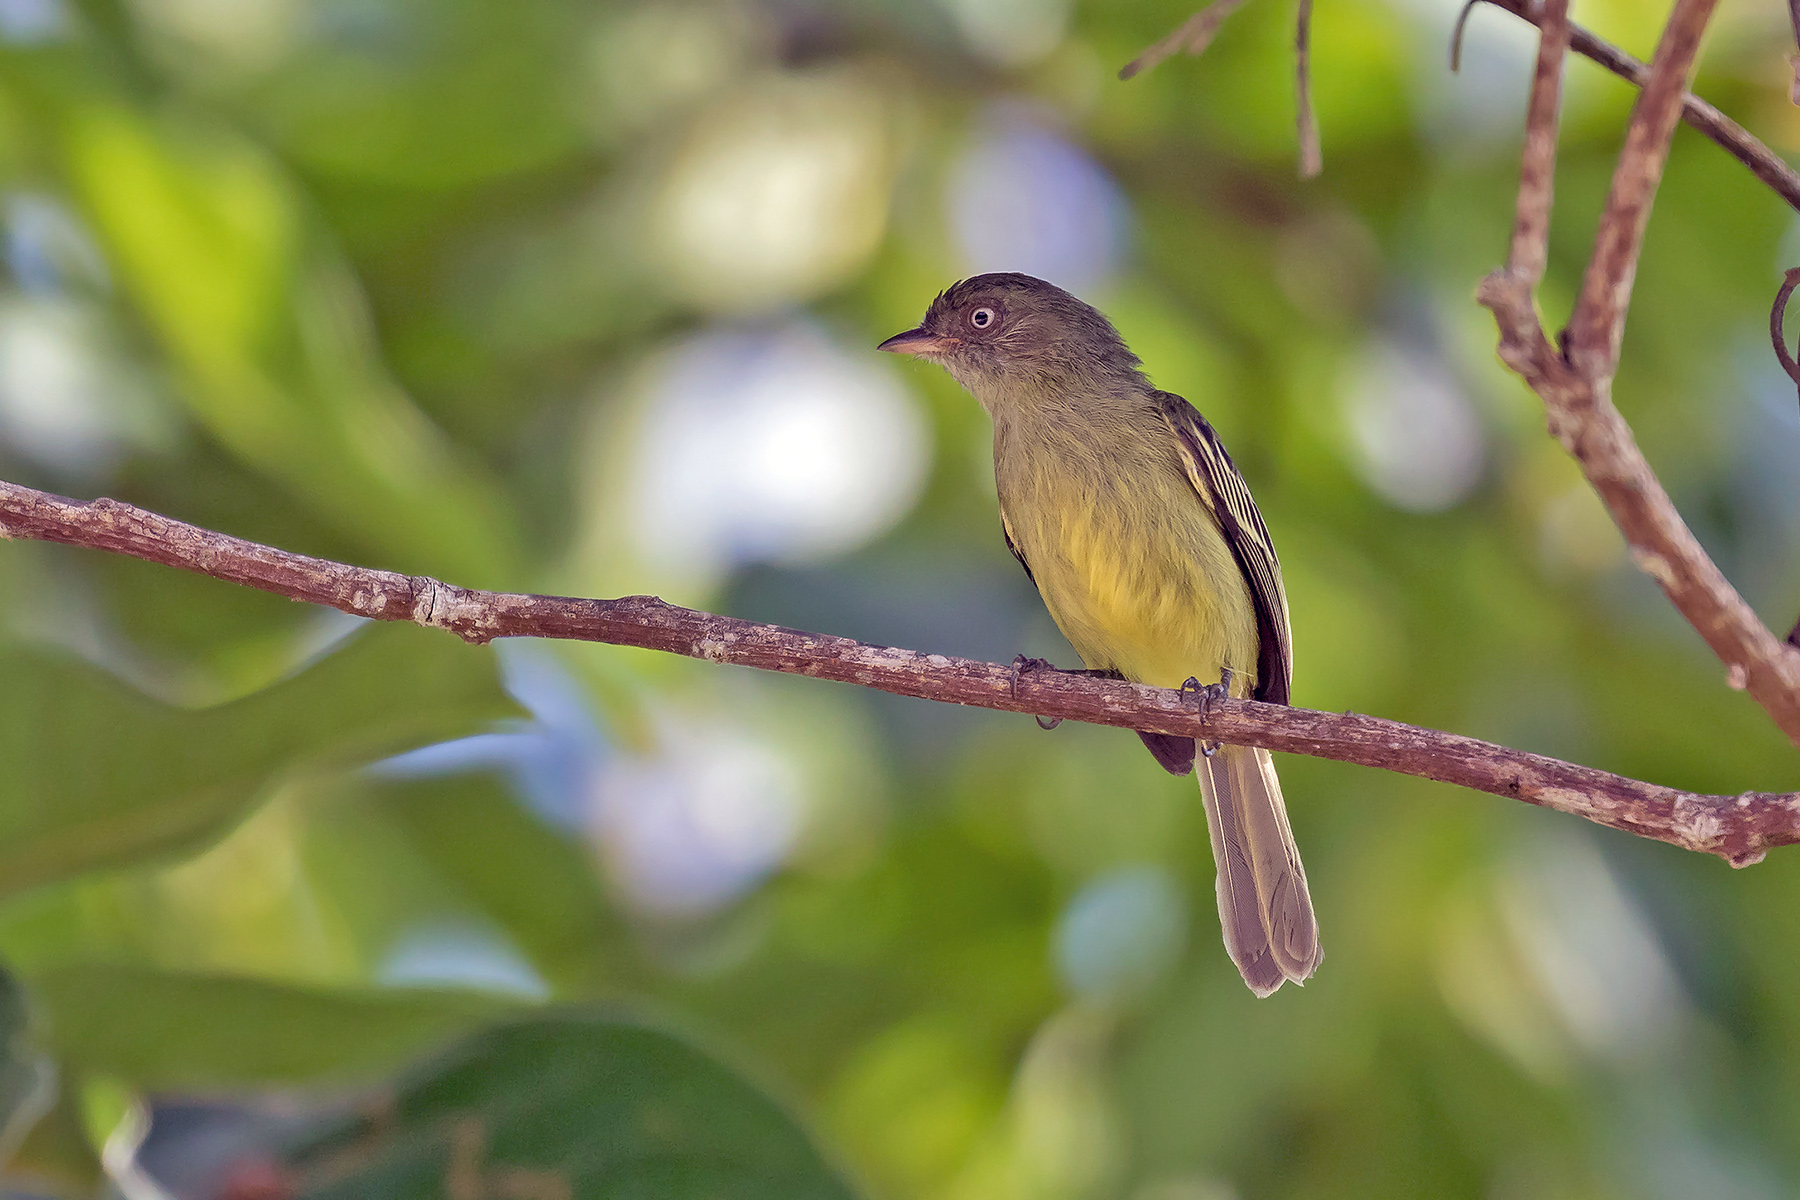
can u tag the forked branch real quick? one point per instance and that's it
(1738, 829)
(1737, 141)
(1576, 386)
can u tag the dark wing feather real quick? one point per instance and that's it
(1215, 477)
(1006, 532)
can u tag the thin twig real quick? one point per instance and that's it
(1456, 35)
(1737, 828)
(1597, 328)
(1537, 170)
(1793, 58)
(1193, 37)
(1576, 388)
(1584, 418)
(1777, 316)
(1306, 121)
(1732, 137)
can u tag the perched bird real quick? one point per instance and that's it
(1126, 512)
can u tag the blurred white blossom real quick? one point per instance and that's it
(1120, 933)
(694, 825)
(770, 444)
(66, 401)
(1415, 438)
(27, 22)
(777, 192)
(1010, 33)
(452, 954)
(1021, 197)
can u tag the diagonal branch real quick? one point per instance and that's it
(1793, 58)
(1598, 326)
(1577, 387)
(1306, 121)
(1592, 430)
(1537, 173)
(1738, 829)
(1732, 137)
(1193, 36)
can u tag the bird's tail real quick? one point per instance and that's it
(1270, 931)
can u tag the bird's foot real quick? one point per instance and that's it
(1022, 664)
(1204, 695)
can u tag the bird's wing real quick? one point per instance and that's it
(1006, 532)
(1215, 477)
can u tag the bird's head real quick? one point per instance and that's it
(1003, 333)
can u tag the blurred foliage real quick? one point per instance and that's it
(596, 1106)
(581, 296)
(138, 780)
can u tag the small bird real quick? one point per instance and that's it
(1124, 509)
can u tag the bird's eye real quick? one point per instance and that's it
(981, 318)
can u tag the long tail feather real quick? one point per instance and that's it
(1264, 906)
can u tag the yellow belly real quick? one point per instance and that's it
(1138, 578)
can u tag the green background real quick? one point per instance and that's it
(405, 283)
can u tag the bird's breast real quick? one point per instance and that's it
(1127, 557)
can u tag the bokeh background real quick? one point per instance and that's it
(558, 295)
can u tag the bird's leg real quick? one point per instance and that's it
(1204, 695)
(1021, 664)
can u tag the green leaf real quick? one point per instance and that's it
(484, 843)
(577, 1104)
(271, 337)
(164, 1030)
(95, 774)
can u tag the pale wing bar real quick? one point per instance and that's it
(1216, 478)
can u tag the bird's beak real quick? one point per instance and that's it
(918, 341)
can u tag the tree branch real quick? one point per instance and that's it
(1306, 121)
(1778, 317)
(1739, 829)
(1598, 326)
(1794, 59)
(1196, 33)
(1577, 387)
(1537, 174)
(1193, 36)
(1732, 137)
(1593, 431)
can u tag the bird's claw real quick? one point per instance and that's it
(1204, 694)
(1021, 664)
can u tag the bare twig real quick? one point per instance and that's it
(1737, 828)
(1777, 315)
(1193, 37)
(1598, 326)
(1196, 34)
(1456, 34)
(1537, 172)
(1577, 388)
(1732, 137)
(1306, 121)
(1592, 430)
(1793, 58)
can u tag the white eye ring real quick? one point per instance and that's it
(981, 318)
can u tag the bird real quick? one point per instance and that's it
(1141, 536)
